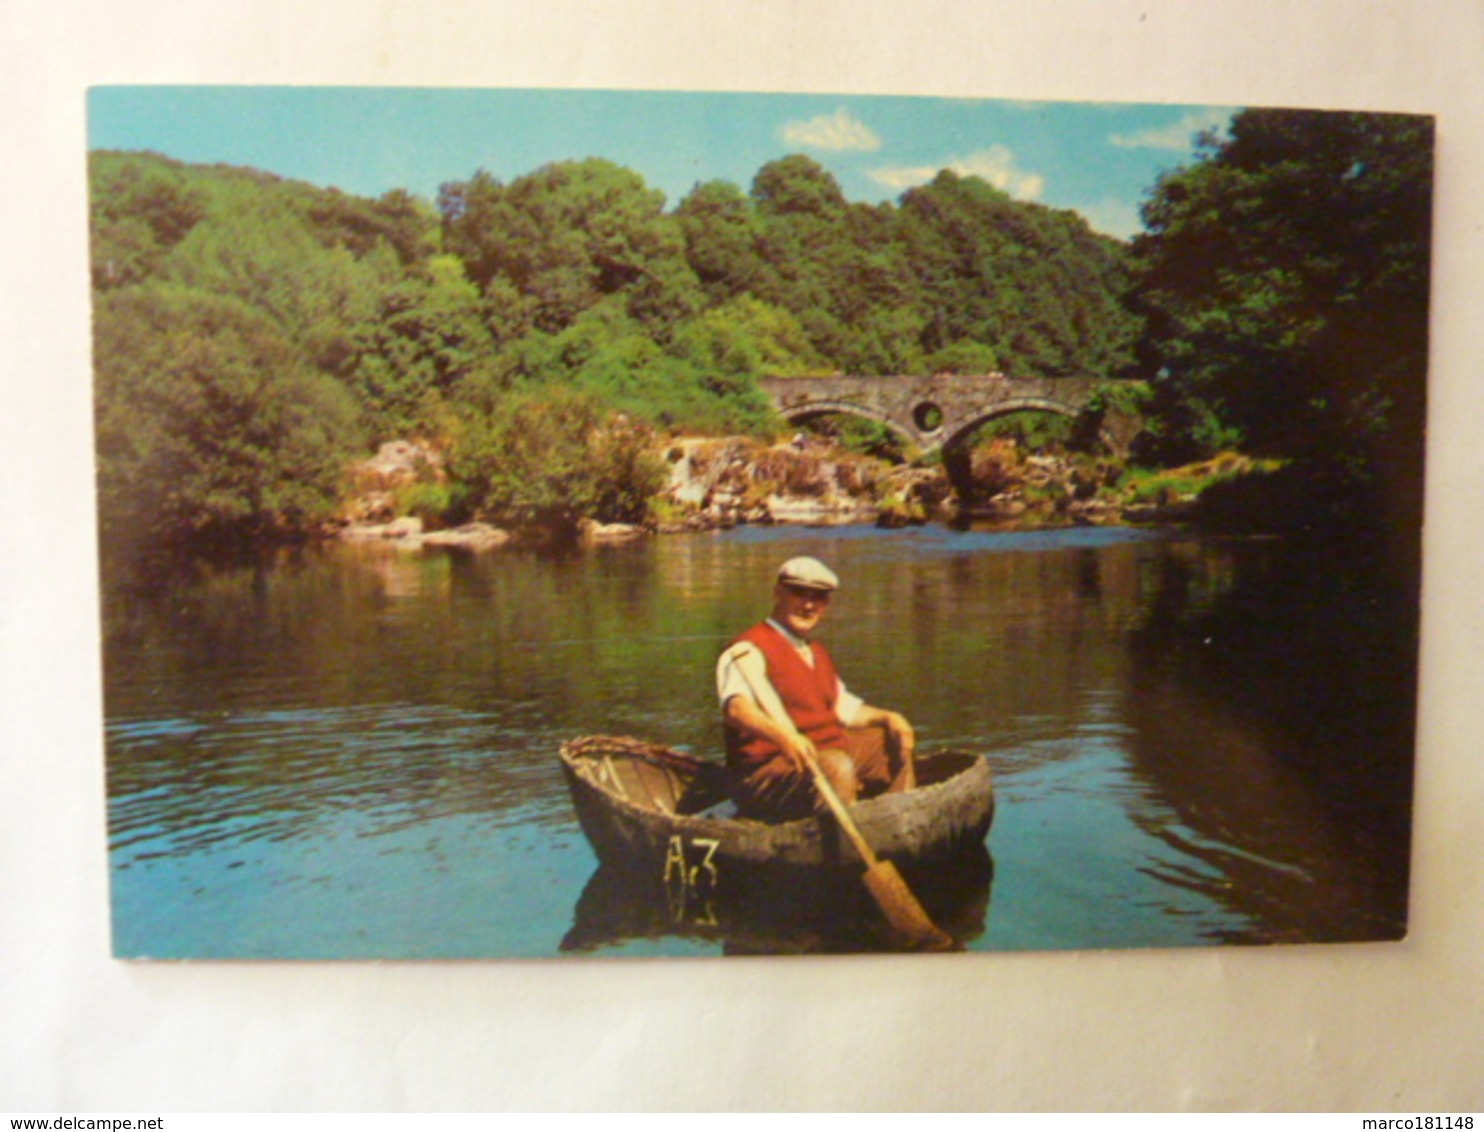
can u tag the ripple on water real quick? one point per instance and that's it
(356, 756)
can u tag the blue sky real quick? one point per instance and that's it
(1098, 158)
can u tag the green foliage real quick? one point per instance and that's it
(210, 426)
(230, 309)
(429, 501)
(568, 235)
(841, 269)
(547, 457)
(861, 436)
(1131, 398)
(704, 381)
(140, 213)
(269, 258)
(723, 238)
(1285, 277)
(667, 512)
(399, 319)
(748, 337)
(1034, 285)
(1165, 485)
(426, 346)
(963, 357)
(1033, 430)
(798, 186)
(397, 219)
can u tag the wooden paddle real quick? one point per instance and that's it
(886, 885)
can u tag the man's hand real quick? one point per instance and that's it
(898, 727)
(800, 751)
(893, 722)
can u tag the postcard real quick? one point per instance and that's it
(544, 523)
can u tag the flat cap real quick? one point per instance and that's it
(809, 572)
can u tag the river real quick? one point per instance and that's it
(349, 751)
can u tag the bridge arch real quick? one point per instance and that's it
(802, 414)
(965, 429)
(942, 410)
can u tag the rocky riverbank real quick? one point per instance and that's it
(719, 483)
(809, 480)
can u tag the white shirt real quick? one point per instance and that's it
(743, 668)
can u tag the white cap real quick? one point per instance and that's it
(808, 572)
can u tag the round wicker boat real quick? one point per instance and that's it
(641, 803)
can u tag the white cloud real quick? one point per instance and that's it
(838, 131)
(1177, 135)
(996, 165)
(1116, 218)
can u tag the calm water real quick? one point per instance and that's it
(351, 752)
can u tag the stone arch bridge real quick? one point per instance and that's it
(944, 410)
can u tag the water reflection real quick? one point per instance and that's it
(1286, 727)
(351, 751)
(772, 914)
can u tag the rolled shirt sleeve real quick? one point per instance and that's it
(847, 705)
(733, 670)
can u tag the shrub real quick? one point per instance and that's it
(667, 512)
(211, 427)
(995, 467)
(1160, 485)
(859, 477)
(549, 456)
(430, 502)
(796, 473)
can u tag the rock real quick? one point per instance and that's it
(398, 462)
(407, 530)
(375, 507)
(1177, 512)
(409, 526)
(363, 532)
(1008, 505)
(380, 485)
(590, 530)
(471, 536)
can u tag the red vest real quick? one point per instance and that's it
(808, 694)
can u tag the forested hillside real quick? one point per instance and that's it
(1284, 278)
(253, 335)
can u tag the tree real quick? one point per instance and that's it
(397, 219)
(704, 379)
(801, 211)
(1285, 276)
(798, 186)
(549, 456)
(140, 211)
(722, 235)
(210, 425)
(428, 339)
(1034, 285)
(570, 234)
(748, 338)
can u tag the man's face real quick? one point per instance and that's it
(800, 609)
